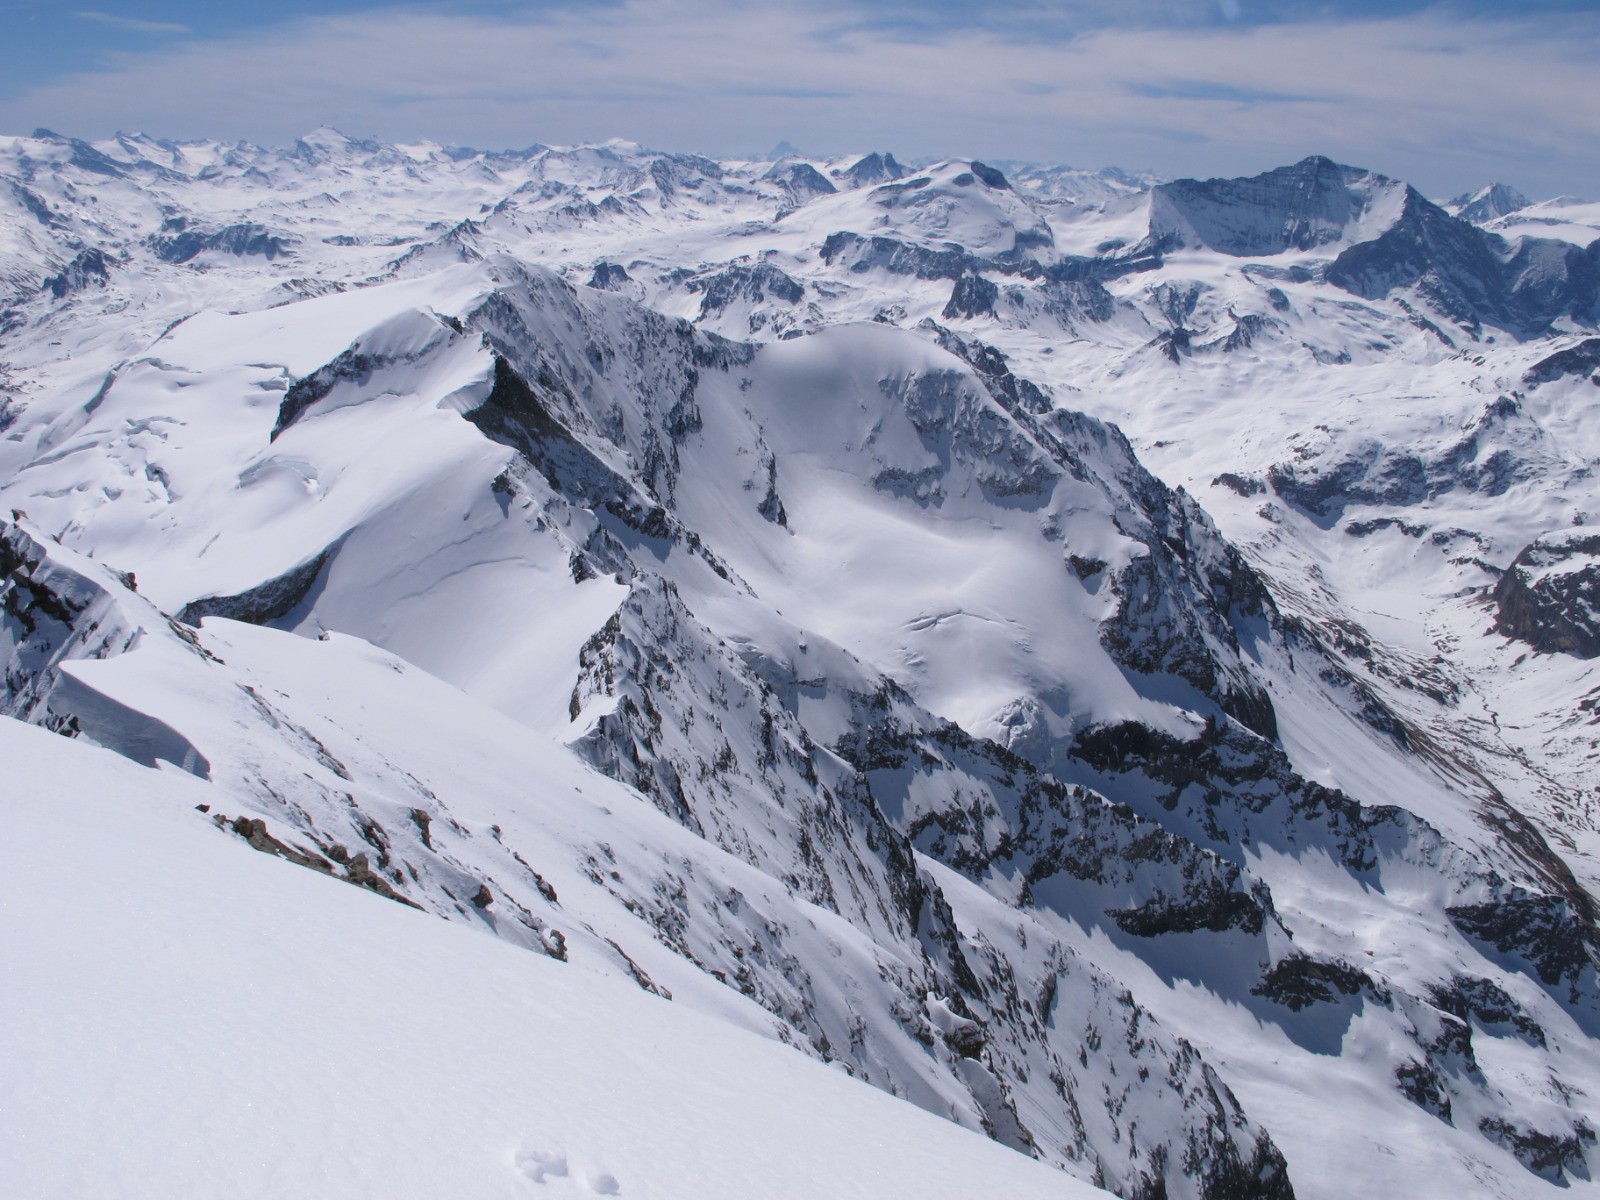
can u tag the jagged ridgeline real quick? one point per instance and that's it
(810, 658)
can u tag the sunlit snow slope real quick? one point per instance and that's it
(1108, 662)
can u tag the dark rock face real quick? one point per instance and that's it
(1369, 472)
(266, 602)
(352, 365)
(874, 168)
(754, 284)
(1484, 205)
(608, 276)
(89, 269)
(1240, 485)
(973, 296)
(41, 211)
(990, 177)
(517, 415)
(1484, 1001)
(1078, 299)
(1292, 208)
(1300, 981)
(1551, 1155)
(1581, 361)
(1549, 596)
(1541, 929)
(180, 244)
(1474, 277)
(801, 182)
(898, 258)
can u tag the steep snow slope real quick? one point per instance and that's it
(1245, 834)
(272, 1033)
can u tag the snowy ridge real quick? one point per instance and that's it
(878, 697)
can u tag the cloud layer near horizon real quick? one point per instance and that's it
(1443, 100)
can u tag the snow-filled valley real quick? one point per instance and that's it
(1108, 663)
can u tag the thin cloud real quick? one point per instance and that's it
(133, 24)
(1445, 102)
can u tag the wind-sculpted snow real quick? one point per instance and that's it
(1074, 653)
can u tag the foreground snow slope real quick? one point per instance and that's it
(241, 1027)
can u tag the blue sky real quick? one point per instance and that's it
(1448, 96)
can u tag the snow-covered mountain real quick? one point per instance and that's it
(1108, 661)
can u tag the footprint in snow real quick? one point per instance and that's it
(545, 1165)
(541, 1165)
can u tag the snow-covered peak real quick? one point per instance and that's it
(1314, 205)
(1487, 203)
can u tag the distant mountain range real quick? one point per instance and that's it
(1111, 662)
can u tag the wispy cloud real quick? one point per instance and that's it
(133, 24)
(1445, 101)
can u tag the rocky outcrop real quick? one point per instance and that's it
(1471, 276)
(268, 601)
(88, 269)
(973, 296)
(1485, 204)
(1581, 361)
(177, 243)
(752, 284)
(800, 181)
(1549, 597)
(872, 169)
(1300, 207)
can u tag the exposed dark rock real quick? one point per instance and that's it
(1246, 329)
(1484, 1001)
(1474, 277)
(182, 245)
(1484, 205)
(266, 602)
(89, 269)
(1581, 361)
(1085, 568)
(801, 182)
(1549, 597)
(862, 254)
(1300, 981)
(515, 415)
(1421, 1083)
(1361, 529)
(873, 168)
(1299, 207)
(753, 284)
(1541, 929)
(41, 211)
(1554, 1156)
(973, 296)
(990, 177)
(608, 276)
(1239, 484)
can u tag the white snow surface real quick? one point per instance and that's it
(240, 1027)
(655, 673)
